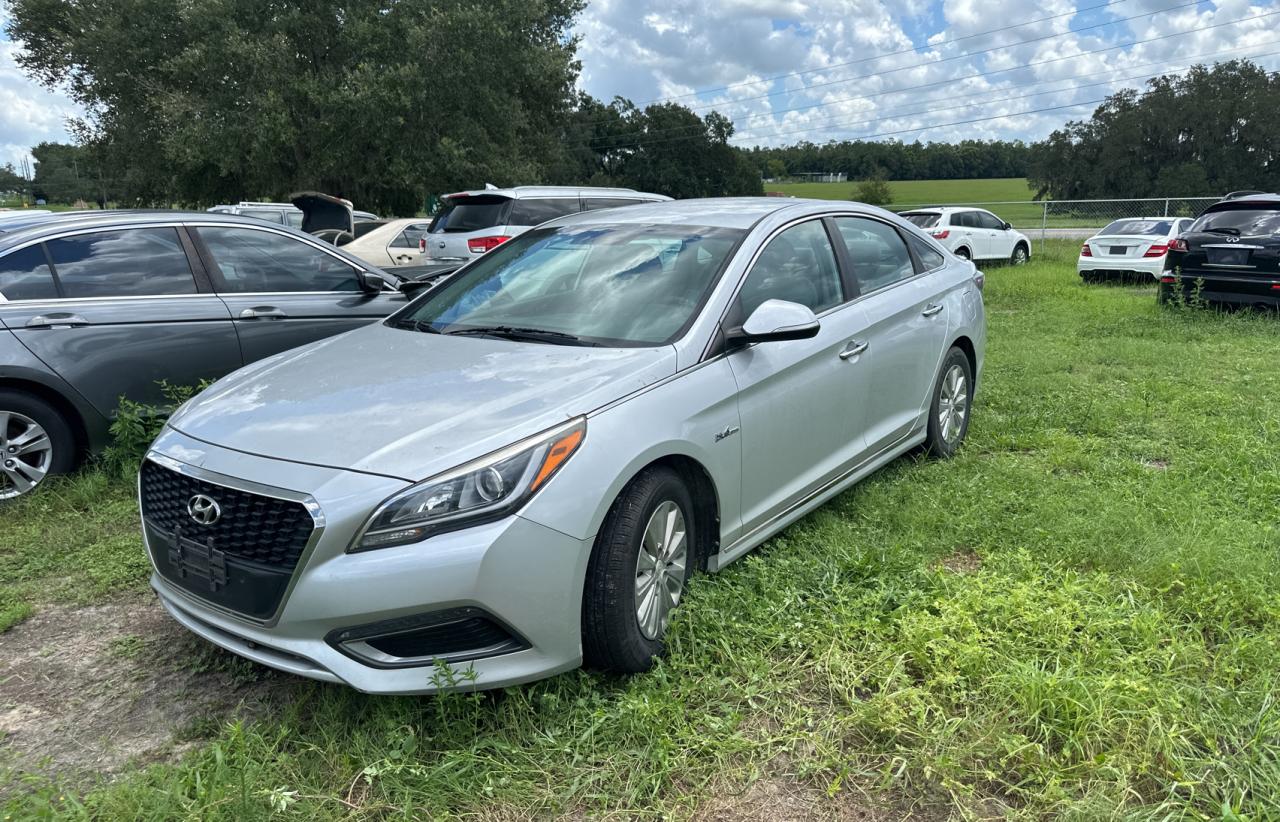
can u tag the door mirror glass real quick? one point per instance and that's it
(371, 282)
(775, 321)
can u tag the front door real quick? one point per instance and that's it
(801, 402)
(283, 291)
(116, 313)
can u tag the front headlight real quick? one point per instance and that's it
(483, 490)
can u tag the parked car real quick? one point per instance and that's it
(471, 223)
(389, 242)
(520, 469)
(1229, 255)
(96, 306)
(1132, 247)
(279, 213)
(972, 233)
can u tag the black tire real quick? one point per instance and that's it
(612, 639)
(1021, 255)
(963, 253)
(62, 441)
(937, 443)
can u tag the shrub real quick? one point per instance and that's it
(138, 424)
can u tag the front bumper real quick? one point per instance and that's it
(1112, 267)
(525, 576)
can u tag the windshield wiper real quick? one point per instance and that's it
(414, 325)
(519, 333)
(1223, 230)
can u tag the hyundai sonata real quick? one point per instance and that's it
(518, 472)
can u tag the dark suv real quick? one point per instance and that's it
(1230, 254)
(95, 306)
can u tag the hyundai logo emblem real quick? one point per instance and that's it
(204, 510)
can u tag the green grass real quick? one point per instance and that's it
(1078, 617)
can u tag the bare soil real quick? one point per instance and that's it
(87, 690)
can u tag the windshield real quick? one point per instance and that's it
(922, 219)
(614, 285)
(1151, 227)
(1246, 222)
(471, 214)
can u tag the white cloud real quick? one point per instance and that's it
(29, 114)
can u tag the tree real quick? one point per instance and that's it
(1209, 131)
(380, 101)
(874, 190)
(775, 168)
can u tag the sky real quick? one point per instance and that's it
(819, 70)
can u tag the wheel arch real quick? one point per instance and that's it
(73, 415)
(706, 499)
(970, 351)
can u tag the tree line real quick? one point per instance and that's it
(862, 160)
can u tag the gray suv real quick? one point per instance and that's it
(103, 305)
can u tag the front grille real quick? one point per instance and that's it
(252, 527)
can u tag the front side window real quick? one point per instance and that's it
(877, 252)
(132, 262)
(538, 210)
(613, 285)
(799, 266)
(25, 275)
(988, 220)
(263, 262)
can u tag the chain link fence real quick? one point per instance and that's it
(1077, 219)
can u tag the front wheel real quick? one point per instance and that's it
(952, 402)
(1020, 255)
(637, 573)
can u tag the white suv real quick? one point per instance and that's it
(473, 222)
(972, 233)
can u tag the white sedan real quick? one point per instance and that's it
(393, 243)
(1132, 247)
(972, 233)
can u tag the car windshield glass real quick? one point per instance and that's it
(923, 220)
(1246, 222)
(615, 285)
(472, 214)
(1153, 227)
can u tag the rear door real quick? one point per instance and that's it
(283, 291)
(907, 324)
(126, 311)
(403, 248)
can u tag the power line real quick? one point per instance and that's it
(945, 81)
(948, 42)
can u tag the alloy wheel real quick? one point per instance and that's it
(26, 453)
(1019, 255)
(660, 568)
(953, 404)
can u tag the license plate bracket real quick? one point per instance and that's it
(199, 561)
(1119, 250)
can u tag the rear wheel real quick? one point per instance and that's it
(638, 569)
(952, 402)
(963, 253)
(35, 441)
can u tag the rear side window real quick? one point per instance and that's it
(878, 254)
(264, 262)
(133, 262)
(271, 215)
(922, 220)
(25, 275)
(472, 214)
(930, 258)
(410, 236)
(595, 203)
(965, 219)
(294, 218)
(538, 210)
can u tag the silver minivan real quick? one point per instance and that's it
(517, 472)
(474, 222)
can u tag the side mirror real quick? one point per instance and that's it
(371, 283)
(1008, 226)
(775, 321)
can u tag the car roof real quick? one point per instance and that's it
(1267, 200)
(15, 232)
(712, 212)
(941, 209)
(520, 192)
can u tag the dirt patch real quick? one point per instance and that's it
(87, 690)
(1156, 464)
(962, 562)
(779, 799)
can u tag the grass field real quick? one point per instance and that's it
(1077, 617)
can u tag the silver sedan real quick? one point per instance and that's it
(519, 471)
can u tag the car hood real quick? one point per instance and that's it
(407, 404)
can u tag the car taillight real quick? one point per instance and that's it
(422, 245)
(1085, 251)
(979, 279)
(1177, 244)
(480, 245)
(940, 235)
(1168, 278)
(1156, 251)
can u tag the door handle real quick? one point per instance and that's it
(265, 312)
(932, 308)
(853, 349)
(59, 320)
